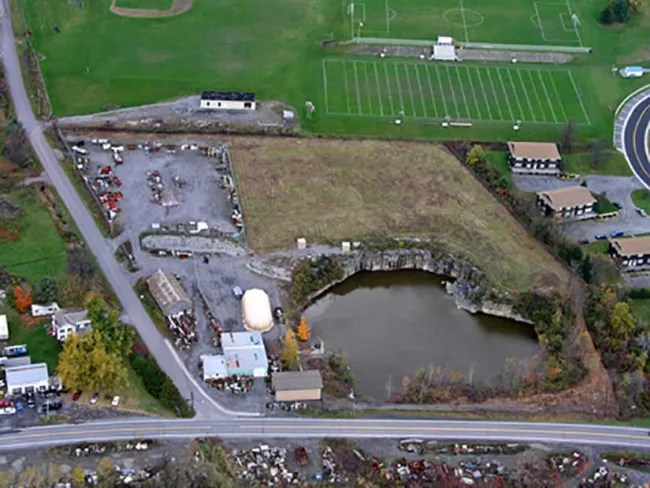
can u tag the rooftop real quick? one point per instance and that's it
(214, 365)
(20, 361)
(633, 245)
(70, 316)
(241, 340)
(297, 380)
(534, 150)
(28, 374)
(247, 359)
(168, 292)
(228, 96)
(571, 196)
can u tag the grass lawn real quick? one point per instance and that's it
(641, 199)
(145, 4)
(499, 159)
(581, 163)
(150, 305)
(39, 249)
(332, 190)
(641, 309)
(275, 50)
(41, 346)
(596, 247)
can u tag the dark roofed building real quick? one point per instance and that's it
(218, 100)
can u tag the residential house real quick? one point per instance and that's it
(218, 100)
(66, 322)
(168, 293)
(297, 386)
(570, 203)
(534, 158)
(245, 354)
(631, 253)
(31, 377)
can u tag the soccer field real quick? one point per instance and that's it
(527, 22)
(458, 92)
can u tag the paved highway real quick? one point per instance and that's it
(159, 347)
(579, 434)
(635, 140)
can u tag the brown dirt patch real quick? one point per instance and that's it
(178, 7)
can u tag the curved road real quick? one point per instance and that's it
(635, 141)
(214, 420)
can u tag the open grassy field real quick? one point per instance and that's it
(641, 199)
(32, 248)
(274, 49)
(41, 346)
(334, 190)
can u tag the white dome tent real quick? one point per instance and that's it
(256, 311)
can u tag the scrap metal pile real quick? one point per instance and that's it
(226, 182)
(183, 327)
(264, 465)
(568, 464)
(155, 183)
(419, 446)
(234, 384)
(107, 186)
(605, 478)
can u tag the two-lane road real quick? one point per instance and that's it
(635, 140)
(525, 432)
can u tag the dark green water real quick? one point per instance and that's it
(390, 324)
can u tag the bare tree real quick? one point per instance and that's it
(568, 136)
(599, 151)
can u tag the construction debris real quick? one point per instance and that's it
(264, 465)
(183, 327)
(419, 446)
(568, 464)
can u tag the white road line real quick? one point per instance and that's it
(462, 92)
(512, 83)
(487, 103)
(408, 83)
(530, 105)
(539, 100)
(327, 105)
(347, 86)
(442, 92)
(356, 84)
(433, 98)
(471, 84)
(568, 6)
(505, 93)
(453, 94)
(579, 95)
(494, 92)
(548, 98)
(422, 97)
(368, 91)
(390, 92)
(399, 89)
(381, 103)
(557, 94)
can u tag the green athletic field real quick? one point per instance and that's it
(274, 49)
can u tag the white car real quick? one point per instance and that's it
(116, 401)
(9, 410)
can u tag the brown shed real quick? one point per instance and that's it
(168, 293)
(297, 386)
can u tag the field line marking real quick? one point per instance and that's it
(548, 98)
(512, 84)
(347, 87)
(462, 15)
(399, 89)
(462, 92)
(471, 84)
(564, 26)
(356, 84)
(387, 19)
(390, 92)
(487, 103)
(422, 97)
(442, 92)
(557, 94)
(575, 27)
(579, 95)
(453, 92)
(381, 102)
(530, 105)
(408, 83)
(505, 93)
(433, 98)
(327, 105)
(540, 24)
(539, 100)
(365, 72)
(494, 92)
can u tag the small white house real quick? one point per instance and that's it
(444, 49)
(215, 100)
(45, 310)
(4, 328)
(68, 322)
(32, 377)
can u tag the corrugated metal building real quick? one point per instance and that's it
(297, 386)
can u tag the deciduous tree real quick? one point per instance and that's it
(621, 325)
(78, 477)
(16, 147)
(569, 135)
(107, 475)
(304, 331)
(476, 155)
(289, 357)
(117, 336)
(23, 298)
(599, 151)
(81, 264)
(46, 291)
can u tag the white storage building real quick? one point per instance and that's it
(217, 100)
(32, 377)
(4, 328)
(245, 354)
(214, 366)
(256, 311)
(444, 49)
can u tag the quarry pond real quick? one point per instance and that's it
(390, 324)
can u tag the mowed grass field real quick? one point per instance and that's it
(337, 190)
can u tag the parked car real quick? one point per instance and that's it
(617, 233)
(600, 237)
(31, 401)
(8, 411)
(51, 407)
(617, 205)
(641, 212)
(20, 406)
(77, 395)
(237, 291)
(116, 401)
(583, 241)
(94, 398)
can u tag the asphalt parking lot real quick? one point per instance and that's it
(617, 189)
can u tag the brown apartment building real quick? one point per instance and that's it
(570, 203)
(534, 158)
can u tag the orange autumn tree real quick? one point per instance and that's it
(23, 298)
(304, 331)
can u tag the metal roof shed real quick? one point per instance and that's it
(168, 293)
(293, 386)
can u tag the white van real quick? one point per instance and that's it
(79, 150)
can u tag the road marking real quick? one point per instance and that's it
(101, 431)
(634, 134)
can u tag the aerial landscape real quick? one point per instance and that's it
(356, 243)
